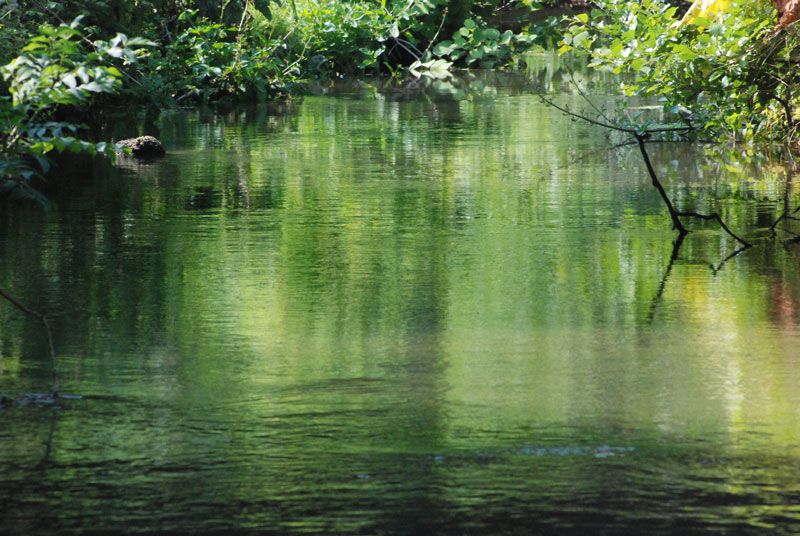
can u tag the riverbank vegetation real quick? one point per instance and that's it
(204, 50)
(724, 72)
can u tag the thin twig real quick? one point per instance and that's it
(784, 216)
(589, 120)
(244, 15)
(438, 30)
(588, 154)
(416, 54)
(586, 98)
(609, 125)
(673, 258)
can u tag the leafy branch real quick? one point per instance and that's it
(53, 70)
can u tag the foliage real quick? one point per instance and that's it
(361, 35)
(344, 36)
(207, 50)
(53, 70)
(270, 49)
(730, 75)
(255, 49)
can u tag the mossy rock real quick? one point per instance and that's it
(143, 146)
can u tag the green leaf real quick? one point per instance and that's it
(579, 39)
(33, 46)
(445, 48)
(490, 34)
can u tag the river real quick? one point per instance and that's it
(385, 311)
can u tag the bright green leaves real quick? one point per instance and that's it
(720, 69)
(348, 37)
(208, 61)
(55, 69)
(446, 48)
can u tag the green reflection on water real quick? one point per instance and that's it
(372, 311)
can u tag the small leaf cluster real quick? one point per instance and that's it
(476, 45)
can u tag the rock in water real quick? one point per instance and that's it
(143, 146)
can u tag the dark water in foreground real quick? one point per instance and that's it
(387, 313)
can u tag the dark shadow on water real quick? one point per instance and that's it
(48, 450)
(676, 249)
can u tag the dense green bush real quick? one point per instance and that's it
(214, 49)
(209, 60)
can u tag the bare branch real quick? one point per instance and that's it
(577, 87)
(676, 249)
(724, 261)
(676, 220)
(609, 125)
(589, 120)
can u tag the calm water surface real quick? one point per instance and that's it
(403, 313)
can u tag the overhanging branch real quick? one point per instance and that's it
(642, 136)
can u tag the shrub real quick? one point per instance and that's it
(209, 60)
